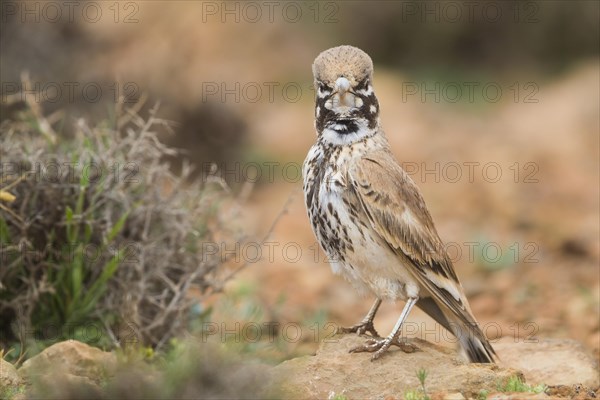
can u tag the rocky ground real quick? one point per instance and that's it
(550, 369)
(561, 364)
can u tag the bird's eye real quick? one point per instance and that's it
(322, 86)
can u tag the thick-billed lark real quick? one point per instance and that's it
(370, 217)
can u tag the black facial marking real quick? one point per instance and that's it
(345, 126)
(362, 85)
(347, 123)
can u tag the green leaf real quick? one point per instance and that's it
(81, 197)
(83, 184)
(116, 229)
(99, 286)
(69, 219)
(87, 143)
(84, 180)
(4, 233)
(88, 232)
(77, 273)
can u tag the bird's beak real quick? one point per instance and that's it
(342, 85)
(343, 97)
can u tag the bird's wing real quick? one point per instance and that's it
(397, 212)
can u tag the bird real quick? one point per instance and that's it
(369, 216)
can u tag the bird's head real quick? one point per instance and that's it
(346, 107)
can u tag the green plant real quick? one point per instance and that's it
(418, 394)
(79, 287)
(9, 392)
(338, 396)
(482, 395)
(413, 395)
(516, 384)
(422, 375)
(100, 241)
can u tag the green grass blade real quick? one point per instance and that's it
(116, 229)
(99, 286)
(69, 220)
(4, 234)
(87, 235)
(77, 274)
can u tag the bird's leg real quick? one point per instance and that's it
(379, 346)
(366, 325)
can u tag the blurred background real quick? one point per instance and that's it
(491, 106)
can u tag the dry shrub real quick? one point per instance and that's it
(102, 242)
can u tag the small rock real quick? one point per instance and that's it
(454, 396)
(8, 374)
(550, 361)
(55, 384)
(517, 396)
(73, 358)
(355, 375)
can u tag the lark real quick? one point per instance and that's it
(370, 217)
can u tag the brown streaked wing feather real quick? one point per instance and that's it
(387, 194)
(398, 212)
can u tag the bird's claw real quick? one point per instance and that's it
(379, 346)
(360, 329)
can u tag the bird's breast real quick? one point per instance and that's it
(343, 229)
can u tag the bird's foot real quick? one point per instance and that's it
(360, 329)
(379, 346)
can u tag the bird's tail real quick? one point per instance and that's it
(473, 342)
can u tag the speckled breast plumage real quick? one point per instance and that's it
(341, 226)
